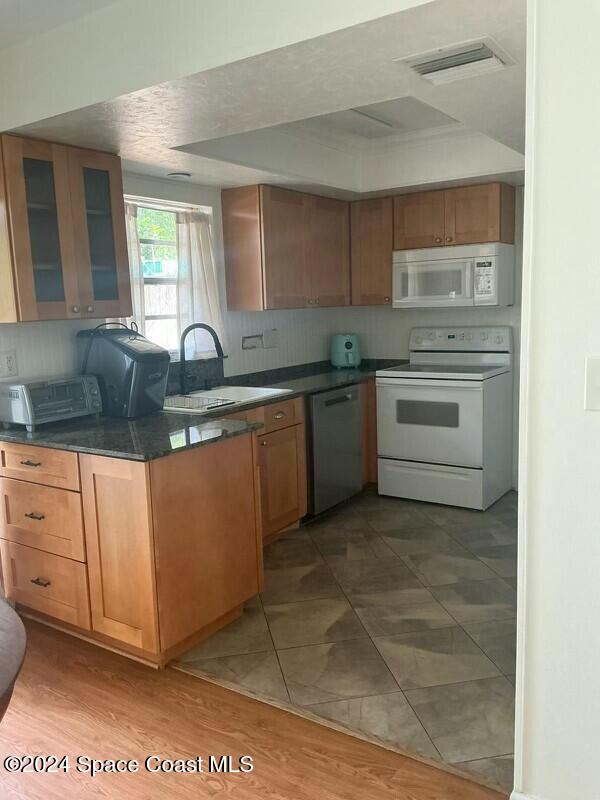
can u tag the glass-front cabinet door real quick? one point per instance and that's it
(39, 210)
(100, 241)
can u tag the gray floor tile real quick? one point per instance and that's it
(372, 575)
(467, 721)
(452, 565)
(474, 538)
(477, 601)
(391, 520)
(313, 622)
(426, 539)
(499, 770)
(381, 616)
(247, 634)
(259, 672)
(432, 658)
(289, 584)
(325, 672)
(502, 559)
(296, 550)
(336, 545)
(498, 640)
(345, 518)
(388, 717)
(448, 515)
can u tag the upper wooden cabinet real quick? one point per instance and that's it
(371, 245)
(284, 249)
(66, 221)
(466, 215)
(328, 256)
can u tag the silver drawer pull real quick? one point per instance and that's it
(43, 582)
(33, 515)
(264, 443)
(280, 415)
(29, 463)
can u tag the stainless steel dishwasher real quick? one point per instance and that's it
(335, 453)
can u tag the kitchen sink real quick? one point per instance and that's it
(223, 396)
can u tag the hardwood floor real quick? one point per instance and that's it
(76, 699)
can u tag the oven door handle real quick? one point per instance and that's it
(428, 383)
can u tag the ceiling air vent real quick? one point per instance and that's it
(461, 61)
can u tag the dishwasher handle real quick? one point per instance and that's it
(342, 398)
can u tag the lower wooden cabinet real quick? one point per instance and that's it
(169, 550)
(120, 552)
(281, 458)
(53, 585)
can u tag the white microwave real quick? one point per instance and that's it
(463, 275)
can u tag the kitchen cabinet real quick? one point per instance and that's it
(284, 249)
(282, 471)
(419, 220)
(371, 245)
(465, 215)
(327, 253)
(280, 458)
(147, 558)
(66, 224)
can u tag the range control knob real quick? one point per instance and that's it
(419, 339)
(484, 336)
(499, 339)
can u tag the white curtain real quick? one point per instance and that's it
(197, 285)
(135, 268)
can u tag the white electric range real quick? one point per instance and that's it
(445, 419)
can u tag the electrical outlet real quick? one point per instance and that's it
(270, 339)
(8, 364)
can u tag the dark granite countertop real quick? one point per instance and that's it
(154, 436)
(163, 433)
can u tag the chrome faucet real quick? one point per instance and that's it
(182, 361)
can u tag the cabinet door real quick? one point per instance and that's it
(39, 209)
(282, 469)
(100, 237)
(371, 245)
(328, 251)
(479, 214)
(8, 291)
(418, 220)
(120, 550)
(284, 216)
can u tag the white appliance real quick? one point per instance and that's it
(444, 420)
(468, 275)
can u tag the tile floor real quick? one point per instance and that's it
(392, 618)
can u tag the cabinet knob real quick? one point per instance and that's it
(279, 415)
(263, 443)
(386, 299)
(317, 300)
(89, 309)
(310, 302)
(448, 238)
(75, 309)
(438, 239)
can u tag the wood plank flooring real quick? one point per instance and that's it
(76, 699)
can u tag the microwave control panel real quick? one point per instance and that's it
(485, 281)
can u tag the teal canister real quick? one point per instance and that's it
(345, 352)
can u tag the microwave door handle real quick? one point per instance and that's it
(469, 294)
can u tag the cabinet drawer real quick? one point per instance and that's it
(51, 584)
(43, 517)
(283, 414)
(39, 465)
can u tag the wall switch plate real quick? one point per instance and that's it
(253, 342)
(592, 384)
(270, 339)
(8, 364)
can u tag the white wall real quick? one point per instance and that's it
(558, 701)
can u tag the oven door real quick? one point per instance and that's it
(432, 421)
(425, 284)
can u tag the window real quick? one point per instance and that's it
(173, 275)
(158, 255)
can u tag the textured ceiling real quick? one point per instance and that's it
(22, 19)
(350, 68)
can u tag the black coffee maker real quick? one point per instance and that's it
(131, 371)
